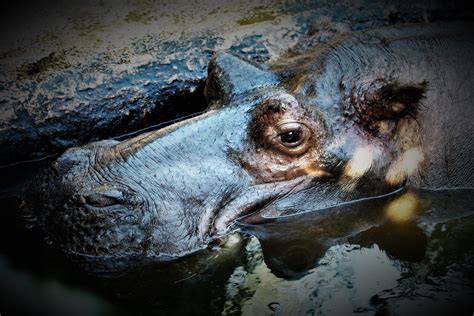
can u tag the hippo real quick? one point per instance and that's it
(364, 115)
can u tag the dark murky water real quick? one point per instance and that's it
(411, 252)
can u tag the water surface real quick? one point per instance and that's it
(410, 252)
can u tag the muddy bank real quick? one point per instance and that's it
(71, 73)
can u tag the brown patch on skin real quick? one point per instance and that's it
(268, 114)
(300, 82)
(315, 171)
(268, 158)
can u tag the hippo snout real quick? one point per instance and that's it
(84, 214)
(74, 173)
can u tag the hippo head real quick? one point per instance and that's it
(276, 140)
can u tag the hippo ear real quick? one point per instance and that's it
(389, 100)
(229, 76)
(402, 98)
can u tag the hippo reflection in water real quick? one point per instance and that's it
(361, 116)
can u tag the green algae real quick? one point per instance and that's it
(38, 70)
(136, 16)
(257, 15)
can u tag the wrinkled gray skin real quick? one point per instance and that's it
(170, 192)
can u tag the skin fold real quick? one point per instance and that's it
(362, 116)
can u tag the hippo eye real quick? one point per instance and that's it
(292, 138)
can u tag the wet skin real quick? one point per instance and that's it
(399, 223)
(359, 117)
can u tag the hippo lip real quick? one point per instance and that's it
(264, 217)
(251, 201)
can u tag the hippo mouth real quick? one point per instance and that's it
(287, 205)
(252, 201)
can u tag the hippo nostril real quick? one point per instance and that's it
(70, 158)
(102, 200)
